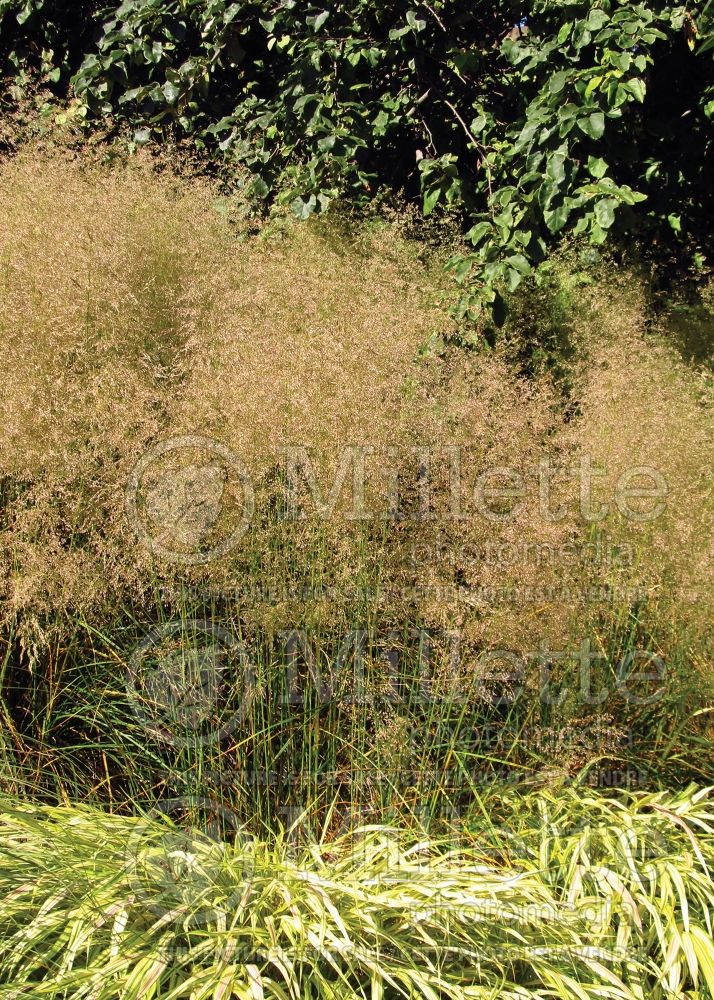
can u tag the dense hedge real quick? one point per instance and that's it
(581, 117)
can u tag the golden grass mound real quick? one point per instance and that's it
(139, 310)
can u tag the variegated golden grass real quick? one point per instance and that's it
(568, 894)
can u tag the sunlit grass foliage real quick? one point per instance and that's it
(139, 307)
(549, 895)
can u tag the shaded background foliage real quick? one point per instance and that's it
(527, 122)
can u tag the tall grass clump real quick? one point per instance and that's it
(390, 658)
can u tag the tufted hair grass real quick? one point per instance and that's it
(138, 306)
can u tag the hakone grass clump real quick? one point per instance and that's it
(568, 894)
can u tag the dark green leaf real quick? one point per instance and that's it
(304, 208)
(596, 19)
(605, 212)
(430, 200)
(593, 125)
(556, 218)
(476, 234)
(597, 166)
(555, 170)
(637, 88)
(558, 81)
(171, 92)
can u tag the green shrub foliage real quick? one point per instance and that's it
(530, 122)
